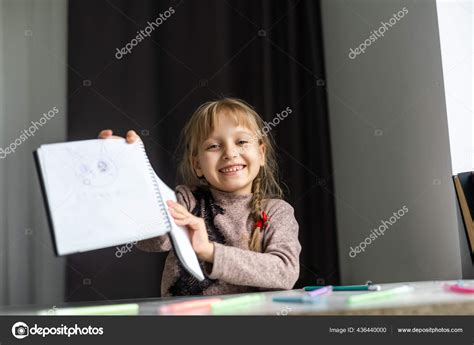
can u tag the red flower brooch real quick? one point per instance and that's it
(263, 222)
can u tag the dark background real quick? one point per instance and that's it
(268, 53)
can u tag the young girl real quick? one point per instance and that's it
(243, 233)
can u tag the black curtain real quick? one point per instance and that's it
(269, 53)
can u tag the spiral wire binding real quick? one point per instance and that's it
(156, 187)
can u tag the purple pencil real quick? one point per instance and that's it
(322, 291)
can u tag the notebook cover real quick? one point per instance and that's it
(45, 200)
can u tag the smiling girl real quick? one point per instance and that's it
(243, 233)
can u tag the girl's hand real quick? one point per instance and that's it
(108, 134)
(197, 231)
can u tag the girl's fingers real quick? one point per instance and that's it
(177, 216)
(108, 134)
(176, 206)
(105, 133)
(184, 218)
(180, 222)
(191, 224)
(132, 137)
(181, 211)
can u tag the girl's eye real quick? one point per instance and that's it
(242, 142)
(213, 146)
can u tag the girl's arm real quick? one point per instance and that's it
(276, 268)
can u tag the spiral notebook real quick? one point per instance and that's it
(105, 193)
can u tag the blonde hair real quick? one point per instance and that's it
(199, 128)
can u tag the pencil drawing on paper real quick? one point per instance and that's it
(95, 170)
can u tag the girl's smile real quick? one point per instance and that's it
(232, 169)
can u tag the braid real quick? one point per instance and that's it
(256, 212)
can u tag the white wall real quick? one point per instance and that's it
(390, 144)
(456, 31)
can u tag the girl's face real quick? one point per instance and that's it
(230, 158)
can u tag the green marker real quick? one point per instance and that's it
(116, 309)
(386, 294)
(235, 303)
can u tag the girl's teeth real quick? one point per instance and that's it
(237, 168)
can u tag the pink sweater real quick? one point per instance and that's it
(236, 269)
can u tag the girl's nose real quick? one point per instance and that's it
(230, 153)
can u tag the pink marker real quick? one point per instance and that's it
(188, 305)
(459, 288)
(321, 291)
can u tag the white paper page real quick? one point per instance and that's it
(179, 236)
(100, 193)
